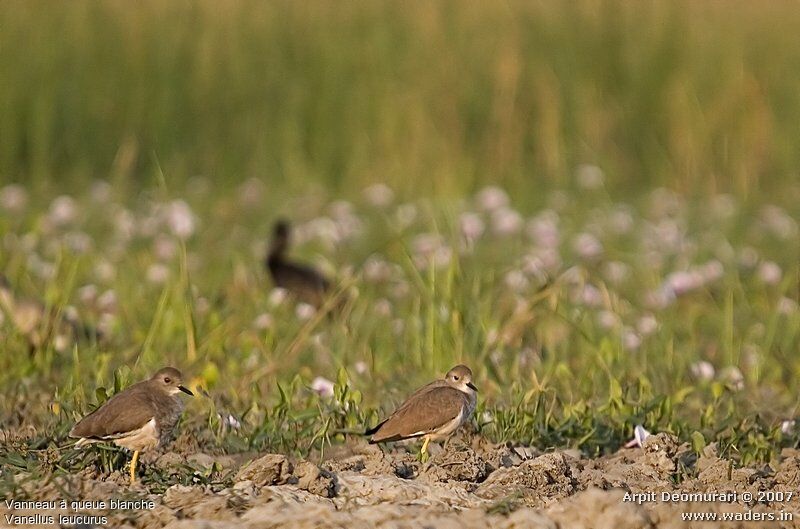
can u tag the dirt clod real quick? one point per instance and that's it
(271, 469)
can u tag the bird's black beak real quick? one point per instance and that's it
(186, 390)
(471, 386)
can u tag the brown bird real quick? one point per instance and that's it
(433, 412)
(37, 324)
(306, 283)
(139, 418)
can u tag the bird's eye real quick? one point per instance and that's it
(455, 377)
(167, 380)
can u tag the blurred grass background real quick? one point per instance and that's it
(429, 97)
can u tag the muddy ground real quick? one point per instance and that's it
(470, 483)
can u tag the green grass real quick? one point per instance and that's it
(187, 101)
(435, 97)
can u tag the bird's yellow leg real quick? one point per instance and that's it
(133, 466)
(423, 453)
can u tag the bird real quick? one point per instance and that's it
(138, 418)
(37, 324)
(307, 284)
(432, 412)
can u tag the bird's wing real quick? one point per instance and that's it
(424, 412)
(125, 412)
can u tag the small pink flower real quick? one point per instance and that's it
(13, 198)
(157, 273)
(264, 321)
(589, 177)
(180, 219)
(304, 311)
(361, 367)
(640, 435)
(472, 226)
(543, 229)
(516, 280)
(770, 273)
(379, 195)
(322, 387)
(787, 306)
(702, 370)
(63, 210)
(491, 198)
(506, 221)
(733, 376)
(587, 246)
(647, 325)
(630, 340)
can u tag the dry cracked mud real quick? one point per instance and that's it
(464, 485)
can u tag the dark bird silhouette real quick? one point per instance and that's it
(303, 281)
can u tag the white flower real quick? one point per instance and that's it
(506, 221)
(630, 340)
(723, 206)
(538, 264)
(787, 306)
(251, 192)
(702, 370)
(472, 226)
(264, 321)
(587, 246)
(277, 296)
(712, 271)
(640, 435)
(543, 229)
(779, 222)
(748, 257)
(104, 271)
(304, 311)
(770, 273)
(87, 294)
(157, 273)
(124, 224)
(590, 296)
(682, 282)
(589, 177)
(647, 325)
(78, 241)
(616, 272)
(491, 198)
(322, 387)
(361, 367)
(426, 244)
(516, 280)
(733, 376)
(232, 422)
(377, 270)
(405, 215)
(665, 202)
(180, 219)
(100, 191)
(164, 247)
(379, 195)
(382, 307)
(13, 198)
(621, 220)
(788, 427)
(63, 210)
(398, 326)
(608, 320)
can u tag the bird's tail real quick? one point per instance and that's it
(374, 429)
